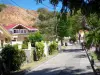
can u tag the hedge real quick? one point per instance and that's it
(53, 47)
(12, 57)
(39, 50)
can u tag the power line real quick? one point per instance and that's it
(47, 6)
(50, 7)
(15, 3)
(6, 2)
(20, 7)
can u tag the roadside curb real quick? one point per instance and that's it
(30, 69)
(19, 73)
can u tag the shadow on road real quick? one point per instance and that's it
(71, 71)
(67, 70)
(55, 71)
(81, 56)
(72, 50)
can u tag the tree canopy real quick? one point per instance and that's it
(93, 37)
(47, 22)
(86, 6)
(35, 37)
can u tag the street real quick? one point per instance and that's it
(71, 61)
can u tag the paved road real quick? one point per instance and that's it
(70, 62)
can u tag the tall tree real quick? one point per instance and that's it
(46, 23)
(68, 26)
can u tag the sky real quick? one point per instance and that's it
(31, 4)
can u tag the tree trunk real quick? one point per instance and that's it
(97, 48)
(61, 42)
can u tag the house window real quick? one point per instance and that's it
(16, 31)
(21, 31)
(24, 31)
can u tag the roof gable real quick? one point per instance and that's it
(15, 25)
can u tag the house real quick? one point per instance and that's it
(20, 32)
(5, 36)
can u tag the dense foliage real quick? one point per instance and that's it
(68, 26)
(47, 22)
(58, 25)
(39, 50)
(44, 14)
(53, 47)
(62, 25)
(86, 6)
(93, 37)
(35, 37)
(12, 57)
(15, 46)
(25, 44)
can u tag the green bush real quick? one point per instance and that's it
(15, 46)
(53, 48)
(12, 57)
(39, 50)
(35, 37)
(24, 46)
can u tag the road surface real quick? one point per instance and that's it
(72, 61)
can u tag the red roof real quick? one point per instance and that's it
(14, 25)
(10, 26)
(31, 28)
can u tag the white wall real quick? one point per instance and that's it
(16, 42)
(46, 52)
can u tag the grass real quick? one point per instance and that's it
(94, 55)
(37, 63)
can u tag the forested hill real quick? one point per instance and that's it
(15, 15)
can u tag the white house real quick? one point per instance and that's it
(20, 32)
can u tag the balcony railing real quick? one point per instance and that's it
(20, 31)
